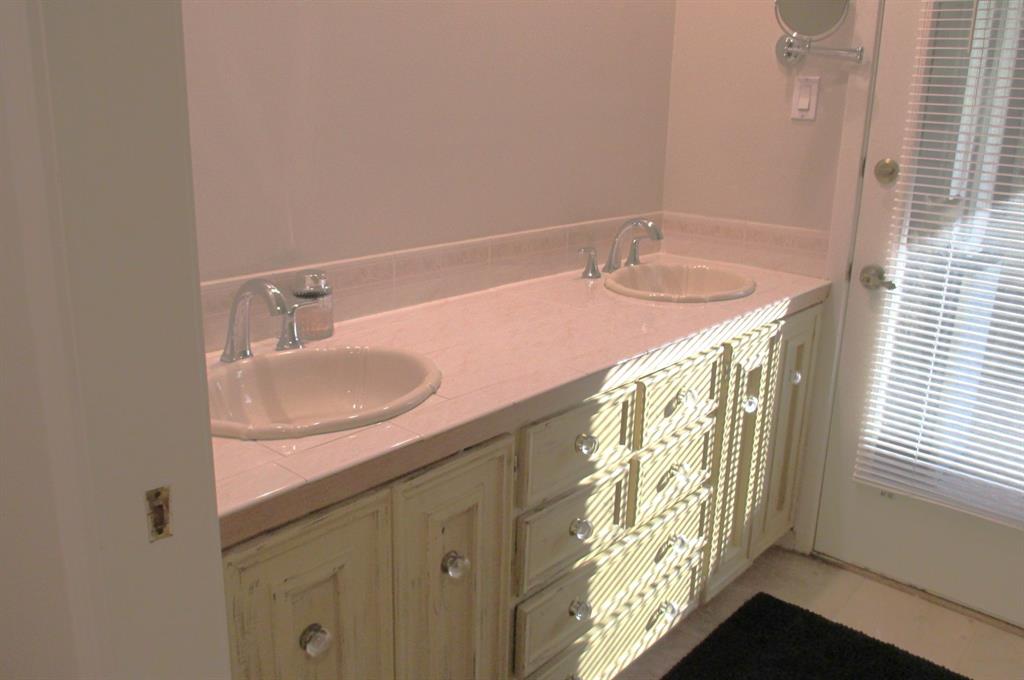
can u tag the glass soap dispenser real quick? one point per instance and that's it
(315, 319)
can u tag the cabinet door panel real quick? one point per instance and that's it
(796, 361)
(741, 464)
(453, 563)
(332, 571)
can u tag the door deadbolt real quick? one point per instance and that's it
(887, 170)
(873, 278)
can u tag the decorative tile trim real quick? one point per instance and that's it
(380, 283)
(795, 250)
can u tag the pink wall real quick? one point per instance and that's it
(335, 130)
(733, 151)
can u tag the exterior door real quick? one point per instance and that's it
(955, 553)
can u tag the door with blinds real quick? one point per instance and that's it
(925, 475)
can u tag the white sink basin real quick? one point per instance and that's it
(307, 391)
(679, 283)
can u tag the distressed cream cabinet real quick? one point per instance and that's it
(452, 568)
(774, 506)
(320, 598)
(743, 455)
(314, 600)
(562, 552)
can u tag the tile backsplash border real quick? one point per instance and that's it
(795, 250)
(379, 283)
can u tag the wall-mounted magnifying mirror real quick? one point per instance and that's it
(808, 21)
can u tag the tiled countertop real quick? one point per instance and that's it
(508, 356)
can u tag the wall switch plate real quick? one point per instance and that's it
(805, 98)
(158, 504)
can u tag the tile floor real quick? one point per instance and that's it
(961, 643)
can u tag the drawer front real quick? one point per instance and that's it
(558, 453)
(593, 595)
(556, 535)
(651, 614)
(669, 470)
(679, 395)
(754, 348)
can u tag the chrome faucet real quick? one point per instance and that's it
(238, 345)
(652, 231)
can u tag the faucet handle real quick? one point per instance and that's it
(590, 271)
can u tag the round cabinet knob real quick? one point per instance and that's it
(678, 544)
(579, 610)
(687, 399)
(750, 404)
(581, 528)
(680, 475)
(795, 377)
(586, 445)
(669, 610)
(454, 564)
(315, 640)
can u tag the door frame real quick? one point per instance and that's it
(867, 17)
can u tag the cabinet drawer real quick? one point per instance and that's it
(754, 348)
(557, 453)
(592, 595)
(564, 531)
(679, 395)
(651, 614)
(669, 470)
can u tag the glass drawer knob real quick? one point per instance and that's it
(579, 610)
(750, 404)
(315, 640)
(680, 476)
(454, 564)
(795, 377)
(689, 399)
(586, 444)
(679, 544)
(581, 529)
(669, 611)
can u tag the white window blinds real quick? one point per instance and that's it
(945, 418)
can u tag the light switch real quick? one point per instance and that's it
(805, 98)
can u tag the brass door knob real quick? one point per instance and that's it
(887, 170)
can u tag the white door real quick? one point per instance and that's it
(923, 517)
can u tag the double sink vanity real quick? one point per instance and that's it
(533, 481)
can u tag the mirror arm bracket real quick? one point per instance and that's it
(792, 50)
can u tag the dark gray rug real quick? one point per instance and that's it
(768, 639)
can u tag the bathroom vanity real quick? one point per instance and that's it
(584, 521)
